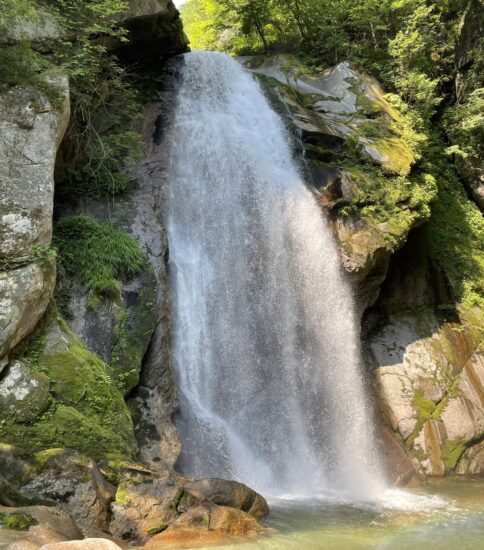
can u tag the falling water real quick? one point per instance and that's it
(265, 341)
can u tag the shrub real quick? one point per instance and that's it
(96, 254)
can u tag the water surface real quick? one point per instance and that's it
(444, 515)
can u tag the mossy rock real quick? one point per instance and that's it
(24, 394)
(87, 412)
(17, 521)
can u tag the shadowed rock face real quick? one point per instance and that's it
(469, 45)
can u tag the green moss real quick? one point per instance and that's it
(97, 254)
(423, 407)
(132, 335)
(398, 156)
(451, 453)
(86, 411)
(20, 65)
(17, 521)
(122, 496)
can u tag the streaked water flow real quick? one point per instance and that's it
(265, 341)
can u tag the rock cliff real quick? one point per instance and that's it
(86, 391)
(423, 347)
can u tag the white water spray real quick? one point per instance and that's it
(265, 341)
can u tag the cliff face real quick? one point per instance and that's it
(423, 347)
(92, 374)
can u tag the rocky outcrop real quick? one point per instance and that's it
(75, 484)
(131, 332)
(148, 503)
(429, 367)
(31, 128)
(58, 394)
(354, 154)
(155, 33)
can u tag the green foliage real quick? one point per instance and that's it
(44, 255)
(97, 254)
(20, 65)
(457, 240)
(465, 127)
(101, 139)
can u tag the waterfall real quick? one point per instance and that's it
(265, 342)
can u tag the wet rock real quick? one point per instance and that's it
(154, 402)
(208, 524)
(148, 503)
(76, 485)
(229, 493)
(399, 468)
(33, 526)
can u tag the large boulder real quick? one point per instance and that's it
(148, 503)
(30, 527)
(31, 128)
(205, 525)
(75, 484)
(229, 493)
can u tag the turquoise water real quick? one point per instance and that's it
(446, 515)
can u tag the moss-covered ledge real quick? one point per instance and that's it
(73, 399)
